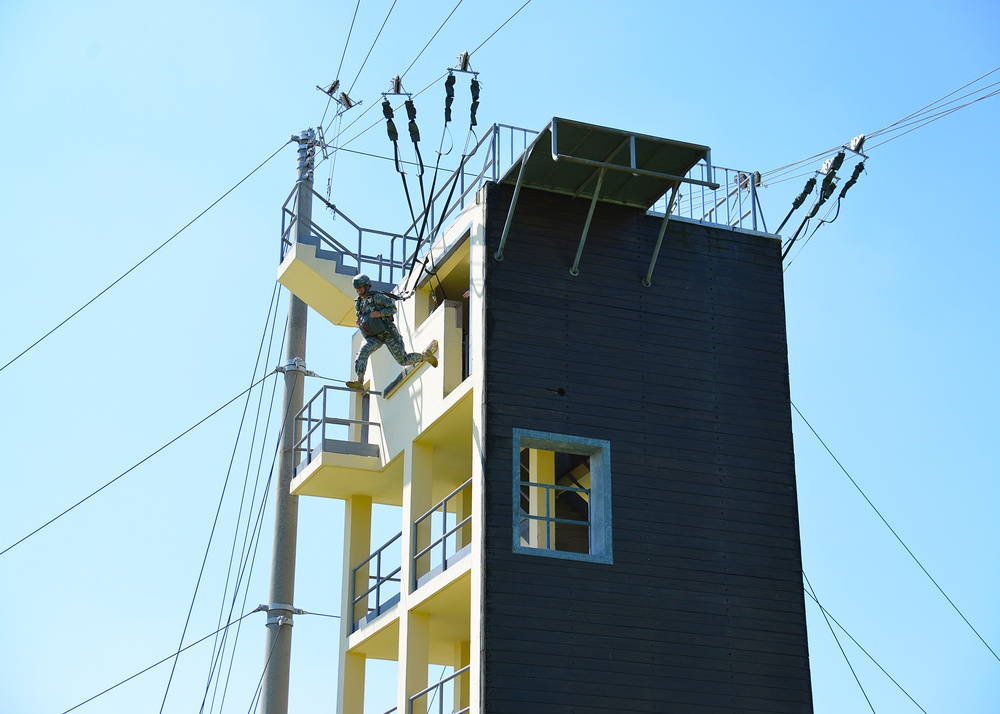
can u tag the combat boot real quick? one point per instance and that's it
(428, 354)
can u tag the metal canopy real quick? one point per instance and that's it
(602, 164)
(639, 169)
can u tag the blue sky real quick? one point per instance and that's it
(124, 121)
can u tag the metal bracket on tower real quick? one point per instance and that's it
(575, 270)
(282, 619)
(647, 281)
(296, 364)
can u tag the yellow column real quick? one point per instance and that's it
(417, 482)
(414, 656)
(357, 547)
(462, 681)
(542, 502)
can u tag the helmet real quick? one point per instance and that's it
(361, 279)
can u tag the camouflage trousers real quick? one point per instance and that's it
(391, 339)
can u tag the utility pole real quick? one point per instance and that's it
(278, 649)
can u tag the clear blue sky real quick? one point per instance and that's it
(123, 121)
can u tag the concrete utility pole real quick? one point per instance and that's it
(278, 649)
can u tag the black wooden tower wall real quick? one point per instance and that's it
(702, 609)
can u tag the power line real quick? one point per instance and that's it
(432, 38)
(222, 496)
(919, 117)
(435, 81)
(260, 608)
(840, 646)
(135, 466)
(155, 251)
(905, 547)
(811, 592)
(358, 76)
(218, 653)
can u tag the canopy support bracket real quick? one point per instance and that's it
(575, 270)
(659, 239)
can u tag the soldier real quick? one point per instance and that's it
(374, 318)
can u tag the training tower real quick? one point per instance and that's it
(593, 496)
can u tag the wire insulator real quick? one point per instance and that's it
(411, 110)
(414, 132)
(387, 109)
(390, 128)
(853, 180)
(472, 118)
(449, 92)
(800, 199)
(475, 89)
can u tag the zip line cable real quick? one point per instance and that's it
(218, 510)
(133, 467)
(840, 646)
(130, 270)
(905, 547)
(812, 594)
(157, 664)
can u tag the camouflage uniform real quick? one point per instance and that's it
(376, 301)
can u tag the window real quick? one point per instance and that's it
(562, 496)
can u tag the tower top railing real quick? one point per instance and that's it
(390, 255)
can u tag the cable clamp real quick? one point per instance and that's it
(296, 364)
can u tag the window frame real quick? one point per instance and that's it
(599, 527)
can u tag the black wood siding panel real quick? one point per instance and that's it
(702, 610)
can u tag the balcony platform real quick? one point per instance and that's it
(336, 475)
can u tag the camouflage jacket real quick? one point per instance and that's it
(375, 301)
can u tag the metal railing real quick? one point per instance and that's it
(381, 254)
(449, 542)
(388, 256)
(734, 204)
(386, 587)
(439, 692)
(314, 426)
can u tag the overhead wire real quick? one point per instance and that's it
(150, 255)
(811, 592)
(921, 117)
(347, 42)
(894, 533)
(132, 468)
(433, 82)
(218, 649)
(222, 496)
(840, 646)
(261, 608)
(436, 32)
